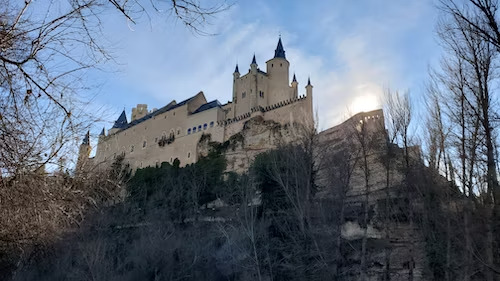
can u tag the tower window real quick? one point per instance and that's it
(199, 128)
(261, 94)
(189, 131)
(243, 95)
(205, 126)
(131, 148)
(178, 131)
(272, 64)
(281, 64)
(211, 124)
(189, 154)
(194, 129)
(144, 143)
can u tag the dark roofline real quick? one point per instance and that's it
(207, 106)
(167, 108)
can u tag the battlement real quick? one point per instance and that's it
(261, 109)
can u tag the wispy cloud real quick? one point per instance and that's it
(349, 51)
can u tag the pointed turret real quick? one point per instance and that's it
(294, 86)
(236, 73)
(121, 121)
(253, 66)
(84, 152)
(280, 51)
(86, 139)
(103, 133)
(309, 88)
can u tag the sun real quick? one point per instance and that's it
(367, 102)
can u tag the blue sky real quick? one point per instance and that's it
(350, 49)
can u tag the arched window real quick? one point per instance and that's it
(131, 148)
(194, 129)
(211, 124)
(199, 128)
(189, 131)
(243, 95)
(144, 143)
(205, 126)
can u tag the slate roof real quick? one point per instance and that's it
(166, 108)
(121, 121)
(207, 106)
(86, 139)
(280, 51)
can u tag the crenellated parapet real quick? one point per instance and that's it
(260, 110)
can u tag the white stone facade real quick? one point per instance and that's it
(174, 130)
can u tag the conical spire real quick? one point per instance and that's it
(309, 81)
(294, 79)
(86, 139)
(254, 61)
(102, 132)
(236, 70)
(121, 121)
(280, 51)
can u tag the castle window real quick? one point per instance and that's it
(281, 64)
(174, 114)
(178, 131)
(235, 100)
(156, 139)
(261, 94)
(144, 143)
(199, 128)
(131, 148)
(211, 124)
(189, 154)
(194, 129)
(272, 64)
(189, 131)
(205, 126)
(243, 95)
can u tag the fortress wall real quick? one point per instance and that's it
(151, 131)
(291, 111)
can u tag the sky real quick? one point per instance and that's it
(351, 50)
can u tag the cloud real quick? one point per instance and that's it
(349, 54)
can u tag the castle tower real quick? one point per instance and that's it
(120, 123)
(84, 152)
(295, 86)
(102, 134)
(278, 72)
(309, 88)
(140, 111)
(253, 65)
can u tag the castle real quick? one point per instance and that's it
(173, 131)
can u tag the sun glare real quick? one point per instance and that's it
(364, 103)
